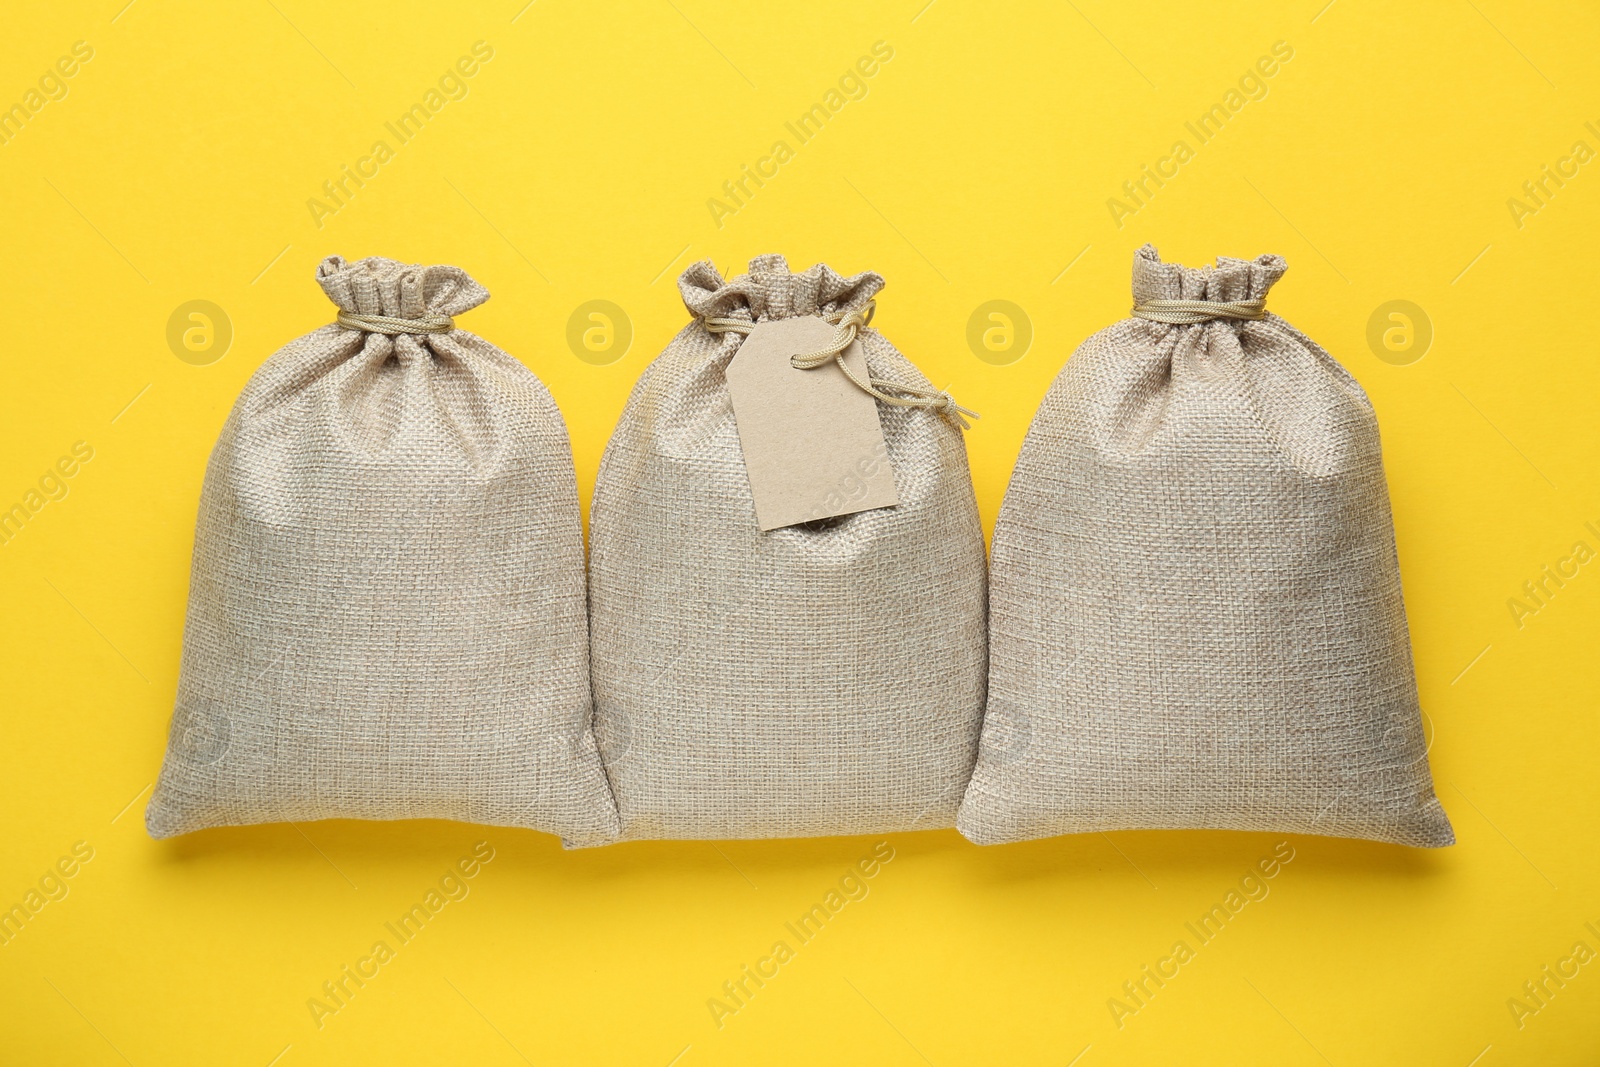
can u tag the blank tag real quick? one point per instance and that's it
(813, 446)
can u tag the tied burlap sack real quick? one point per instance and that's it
(386, 614)
(1197, 618)
(825, 678)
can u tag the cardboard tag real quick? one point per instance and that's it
(812, 443)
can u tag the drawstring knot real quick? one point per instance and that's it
(847, 327)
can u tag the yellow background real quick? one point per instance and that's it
(977, 168)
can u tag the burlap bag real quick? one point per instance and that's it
(817, 679)
(1197, 618)
(386, 614)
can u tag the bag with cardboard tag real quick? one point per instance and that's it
(787, 579)
(387, 615)
(1196, 610)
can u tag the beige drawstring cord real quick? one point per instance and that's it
(389, 325)
(1185, 312)
(847, 325)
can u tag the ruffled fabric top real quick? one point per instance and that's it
(379, 286)
(769, 290)
(1230, 279)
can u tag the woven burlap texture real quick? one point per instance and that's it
(817, 679)
(387, 616)
(1196, 610)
